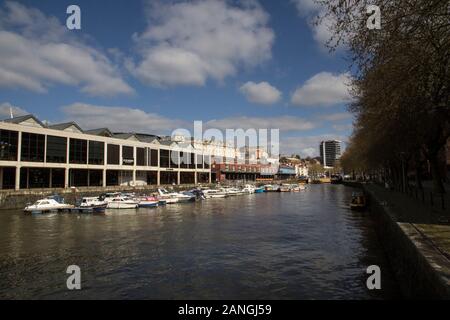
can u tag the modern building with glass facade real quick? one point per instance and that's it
(330, 153)
(35, 155)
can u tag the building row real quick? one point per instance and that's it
(37, 155)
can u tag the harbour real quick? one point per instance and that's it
(297, 245)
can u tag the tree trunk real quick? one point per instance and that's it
(438, 186)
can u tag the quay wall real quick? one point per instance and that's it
(421, 270)
(17, 200)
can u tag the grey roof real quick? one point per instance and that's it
(125, 136)
(65, 125)
(100, 132)
(167, 142)
(20, 119)
(147, 137)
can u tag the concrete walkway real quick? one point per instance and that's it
(428, 228)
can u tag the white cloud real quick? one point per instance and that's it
(323, 89)
(284, 123)
(6, 108)
(322, 31)
(37, 52)
(261, 93)
(120, 119)
(306, 7)
(188, 43)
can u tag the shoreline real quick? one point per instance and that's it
(416, 250)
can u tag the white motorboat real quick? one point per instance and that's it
(89, 202)
(213, 193)
(107, 197)
(181, 197)
(47, 205)
(122, 203)
(231, 191)
(248, 189)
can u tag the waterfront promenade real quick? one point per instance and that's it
(427, 228)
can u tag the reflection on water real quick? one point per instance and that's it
(305, 245)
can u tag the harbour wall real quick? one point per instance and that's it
(422, 271)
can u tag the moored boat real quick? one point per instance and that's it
(248, 188)
(358, 201)
(148, 202)
(259, 190)
(49, 204)
(122, 203)
(213, 193)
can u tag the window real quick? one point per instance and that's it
(96, 152)
(33, 147)
(192, 161)
(153, 158)
(141, 158)
(164, 158)
(113, 154)
(8, 145)
(127, 155)
(184, 160)
(199, 161)
(56, 149)
(174, 159)
(207, 161)
(78, 151)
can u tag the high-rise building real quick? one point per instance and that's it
(330, 152)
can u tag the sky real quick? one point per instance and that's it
(154, 66)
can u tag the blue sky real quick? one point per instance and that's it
(153, 66)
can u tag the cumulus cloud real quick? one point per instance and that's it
(261, 93)
(323, 89)
(37, 52)
(322, 31)
(188, 43)
(6, 108)
(284, 123)
(120, 119)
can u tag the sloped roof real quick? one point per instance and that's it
(64, 126)
(105, 132)
(149, 138)
(20, 119)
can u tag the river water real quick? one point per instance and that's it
(305, 245)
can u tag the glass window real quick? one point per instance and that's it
(141, 158)
(164, 158)
(127, 155)
(191, 160)
(174, 159)
(96, 152)
(154, 158)
(113, 154)
(199, 161)
(56, 149)
(78, 151)
(8, 145)
(33, 147)
(184, 158)
(207, 161)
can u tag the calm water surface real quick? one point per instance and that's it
(306, 245)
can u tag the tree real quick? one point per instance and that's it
(401, 83)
